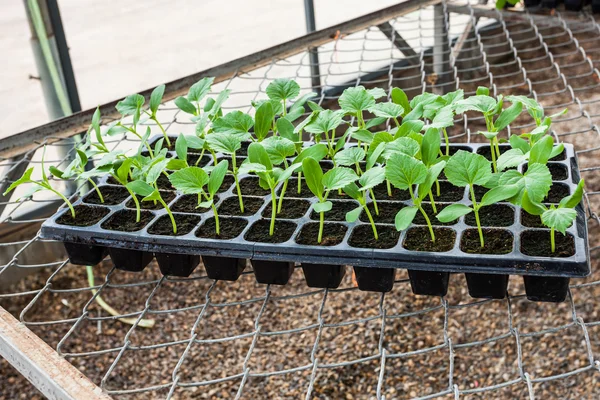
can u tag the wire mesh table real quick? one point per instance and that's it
(197, 338)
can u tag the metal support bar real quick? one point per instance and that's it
(52, 375)
(78, 123)
(412, 57)
(441, 49)
(313, 54)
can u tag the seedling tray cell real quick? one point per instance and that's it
(487, 274)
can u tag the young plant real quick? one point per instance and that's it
(150, 193)
(283, 90)
(540, 152)
(404, 172)
(321, 184)
(44, 184)
(367, 181)
(557, 218)
(279, 149)
(316, 151)
(260, 163)
(191, 180)
(326, 122)
(355, 100)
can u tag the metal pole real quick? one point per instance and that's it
(441, 49)
(311, 26)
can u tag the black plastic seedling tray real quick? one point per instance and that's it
(546, 278)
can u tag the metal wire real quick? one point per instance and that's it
(552, 58)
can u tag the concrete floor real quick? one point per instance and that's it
(120, 47)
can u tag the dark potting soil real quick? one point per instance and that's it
(184, 222)
(419, 239)
(362, 236)
(290, 209)
(112, 195)
(251, 187)
(531, 221)
(326, 165)
(537, 243)
(387, 212)
(124, 221)
(243, 151)
(448, 192)
(455, 149)
(292, 190)
(229, 228)
(496, 241)
(166, 195)
(238, 160)
(231, 205)
(333, 234)
(172, 139)
(84, 216)
(558, 191)
(188, 203)
(336, 195)
(381, 193)
(479, 192)
(560, 157)
(338, 211)
(164, 183)
(494, 215)
(558, 171)
(259, 231)
(227, 182)
(487, 153)
(112, 181)
(192, 159)
(420, 220)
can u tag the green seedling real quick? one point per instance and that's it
(367, 181)
(351, 157)
(316, 151)
(355, 100)
(283, 90)
(430, 148)
(279, 149)
(44, 184)
(321, 184)
(521, 151)
(326, 122)
(404, 172)
(150, 193)
(557, 218)
(191, 180)
(192, 103)
(260, 163)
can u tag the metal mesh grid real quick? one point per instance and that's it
(244, 340)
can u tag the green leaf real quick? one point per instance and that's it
(482, 103)
(356, 99)
(387, 110)
(156, 98)
(184, 105)
(257, 154)
(263, 120)
(443, 119)
(226, 143)
(374, 156)
(216, 106)
(466, 168)
(190, 180)
(339, 178)
(408, 127)
(235, 122)
(482, 91)
(317, 151)
(56, 172)
(314, 106)
(325, 121)
(362, 135)
(540, 151)
(537, 181)
(130, 104)
(374, 122)
(533, 107)
(353, 191)
(452, 212)
(284, 175)
(181, 147)
(517, 142)
(216, 177)
(402, 145)
(194, 142)
(404, 171)
(322, 207)
(559, 218)
(306, 121)
(557, 149)
(508, 115)
(405, 217)
(25, 178)
(531, 207)
(499, 193)
(453, 97)
(377, 93)
(400, 98)
(573, 200)
(378, 138)
(157, 167)
(283, 89)
(200, 89)
(372, 178)
(155, 195)
(279, 148)
(140, 187)
(353, 215)
(488, 135)
(299, 103)
(349, 156)
(511, 158)
(176, 164)
(430, 146)
(205, 204)
(286, 130)
(432, 174)
(313, 175)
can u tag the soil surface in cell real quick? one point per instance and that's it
(455, 149)
(164, 183)
(163, 226)
(84, 216)
(494, 215)
(227, 182)
(192, 159)
(387, 212)
(363, 237)
(290, 209)
(448, 192)
(112, 195)
(338, 211)
(559, 157)
(251, 187)
(231, 205)
(558, 171)
(419, 239)
(333, 234)
(487, 153)
(292, 190)
(558, 191)
(496, 241)
(243, 151)
(172, 139)
(188, 203)
(537, 243)
(381, 193)
(124, 221)
(166, 195)
(229, 228)
(479, 192)
(259, 231)
(531, 221)
(420, 219)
